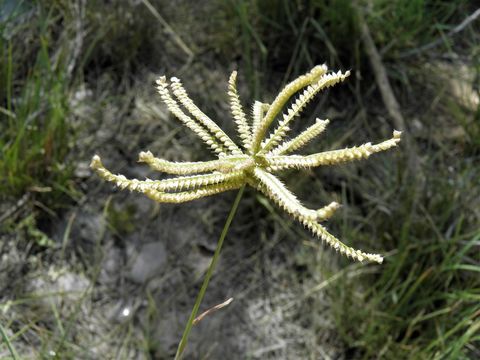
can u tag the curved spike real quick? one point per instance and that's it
(182, 96)
(211, 187)
(302, 139)
(311, 77)
(187, 120)
(186, 196)
(276, 190)
(282, 162)
(279, 133)
(343, 249)
(237, 112)
(223, 164)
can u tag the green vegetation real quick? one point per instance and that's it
(77, 76)
(34, 131)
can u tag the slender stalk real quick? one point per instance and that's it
(10, 347)
(211, 268)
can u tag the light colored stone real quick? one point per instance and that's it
(58, 286)
(149, 262)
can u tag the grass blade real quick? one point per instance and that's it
(8, 343)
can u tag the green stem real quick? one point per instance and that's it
(203, 289)
(10, 347)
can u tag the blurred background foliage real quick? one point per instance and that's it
(64, 63)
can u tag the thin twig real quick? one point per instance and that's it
(178, 40)
(77, 44)
(211, 310)
(380, 73)
(388, 97)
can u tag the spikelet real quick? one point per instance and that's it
(319, 231)
(277, 104)
(187, 120)
(181, 197)
(282, 162)
(302, 139)
(238, 114)
(307, 95)
(182, 96)
(258, 111)
(183, 168)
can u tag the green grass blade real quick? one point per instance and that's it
(8, 343)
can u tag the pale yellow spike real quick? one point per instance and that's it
(167, 185)
(186, 196)
(239, 116)
(311, 77)
(187, 120)
(191, 182)
(197, 186)
(327, 212)
(258, 111)
(308, 94)
(182, 96)
(282, 162)
(276, 190)
(185, 168)
(319, 231)
(302, 139)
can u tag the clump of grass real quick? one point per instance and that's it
(398, 26)
(34, 134)
(422, 304)
(47, 51)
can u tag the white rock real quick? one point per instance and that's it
(149, 262)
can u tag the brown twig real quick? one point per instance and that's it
(380, 73)
(211, 310)
(168, 29)
(386, 91)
